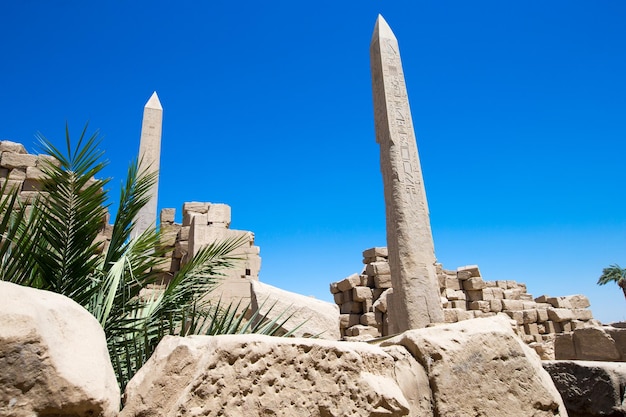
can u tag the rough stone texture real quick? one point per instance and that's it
(253, 375)
(318, 318)
(149, 159)
(590, 389)
(592, 344)
(53, 357)
(415, 302)
(481, 368)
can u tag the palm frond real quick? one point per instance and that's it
(613, 273)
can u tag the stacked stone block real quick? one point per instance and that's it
(362, 299)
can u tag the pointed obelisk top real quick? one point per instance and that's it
(382, 30)
(154, 102)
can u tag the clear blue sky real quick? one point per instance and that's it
(519, 108)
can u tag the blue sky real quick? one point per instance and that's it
(519, 110)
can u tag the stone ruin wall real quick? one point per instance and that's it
(362, 299)
(203, 223)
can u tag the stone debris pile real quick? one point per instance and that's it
(363, 302)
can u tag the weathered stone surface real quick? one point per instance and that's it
(590, 389)
(349, 283)
(375, 252)
(381, 303)
(481, 368)
(15, 160)
(474, 283)
(413, 381)
(320, 318)
(8, 146)
(253, 375)
(53, 357)
(168, 215)
(415, 302)
(594, 344)
(559, 315)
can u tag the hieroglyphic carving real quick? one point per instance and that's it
(415, 301)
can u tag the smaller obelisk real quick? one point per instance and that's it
(415, 301)
(150, 159)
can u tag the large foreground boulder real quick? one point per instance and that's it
(480, 367)
(316, 318)
(590, 389)
(53, 357)
(254, 375)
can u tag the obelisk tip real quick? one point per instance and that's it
(382, 29)
(154, 102)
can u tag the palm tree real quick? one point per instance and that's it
(614, 273)
(54, 247)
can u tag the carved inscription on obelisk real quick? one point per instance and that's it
(150, 159)
(416, 301)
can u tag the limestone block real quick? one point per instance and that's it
(377, 292)
(32, 185)
(255, 375)
(493, 293)
(559, 315)
(378, 268)
(473, 284)
(374, 252)
(590, 388)
(508, 304)
(518, 316)
(368, 319)
(18, 174)
(181, 249)
(578, 301)
(11, 185)
(348, 320)
(484, 306)
(474, 295)
(618, 335)
(315, 317)
(381, 303)
(442, 281)
(196, 207)
(530, 316)
(382, 281)
(168, 234)
(14, 147)
(16, 160)
(47, 160)
(452, 295)
(183, 234)
(452, 283)
(4, 172)
(506, 376)
(582, 314)
(53, 357)
(502, 284)
(472, 270)
(542, 306)
(167, 215)
(219, 213)
(512, 294)
(361, 294)
(542, 299)
(566, 326)
(542, 315)
(463, 314)
(526, 297)
(595, 344)
(349, 283)
(531, 328)
(29, 197)
(458, 304)
(495, 305)
(199, 218)
(333, 288)
(351, 307)
(367, 280)
(450, 315)
(552, 327)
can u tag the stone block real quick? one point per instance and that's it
(373, 252)
(484, 306)
(458, 304)
(463, 314)
(495, 305)
(34, 173)
(368, 319)
(168, 234)
(198, 218)
(493, 293)
(502, 284)
(531, 328)
(542, 315)
(167, 215)
(349, 283)
(333, 288)
(381, 303)
(526, 297)
(360, 330)
(452, 283)
(474, 295)
(559, 315)
(542, 299)
(32, 185)
(184, 233)
(582, 314)
(472, 270)
(578, 301)
(619, 336)
(512, 294)
(14, 147)
(219, 214)
(11, 185)
(16, 160)
(347, 295)
(566, 326)
(196, 207)
(338, 298)
(181, 249)
(377, 292)
(377, 268)
(450, 315)
(508, 304)
(18, 174)
(454, 294)
(367, 280)
(518, 316)
(595, 344)
(361, 293)
(351, 307)
(382, 281)
(349, 320)
(473, 284)
(552, 327)
(530, 316)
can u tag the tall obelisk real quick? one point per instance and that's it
(416, 300)
(150, 159)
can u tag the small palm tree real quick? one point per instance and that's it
(614, 273)
(54, 247)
